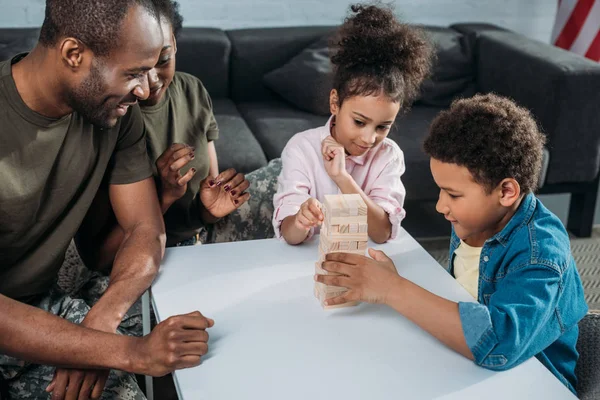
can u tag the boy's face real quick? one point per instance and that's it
(475, 214)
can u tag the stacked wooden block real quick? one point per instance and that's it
(344, 230)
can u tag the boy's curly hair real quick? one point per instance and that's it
(492, 137)
(373, 52)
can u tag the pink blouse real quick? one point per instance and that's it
(377, 172)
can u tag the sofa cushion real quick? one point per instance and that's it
(204, 53)
(257, 51)
(236, 147)
(409, 132)
(17, 40)
(306, 80)
(275, 122)
(453, 70)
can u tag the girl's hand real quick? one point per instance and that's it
(309, 215)
(334, 158)
(172, 185)
(223, 194)
(367, 279)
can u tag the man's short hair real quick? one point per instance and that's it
(492, 137)
(97, 23)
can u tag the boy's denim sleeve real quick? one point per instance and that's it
(519, 320)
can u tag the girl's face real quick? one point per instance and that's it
(161, 76)
(362, 122)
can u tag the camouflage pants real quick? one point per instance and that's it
(253, 220)
(29, 381)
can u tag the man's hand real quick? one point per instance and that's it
(172, 185)
(176, 343)
(309, 215)
(225, 193)
(83, 384)
(367, 279)
(334, 158)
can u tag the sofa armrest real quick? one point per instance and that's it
(561, 89)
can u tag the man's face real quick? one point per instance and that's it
(120, 79)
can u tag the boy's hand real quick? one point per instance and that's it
(367, 279)
(172, 185)
(309, 215)
(223, 194)
(334, 158)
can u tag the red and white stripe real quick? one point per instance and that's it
(577, 27)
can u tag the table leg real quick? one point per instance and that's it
(146, 330)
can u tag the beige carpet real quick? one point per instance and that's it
(585, 251)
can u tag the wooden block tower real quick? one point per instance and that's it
(344, 230)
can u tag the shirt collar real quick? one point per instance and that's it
(521, 217)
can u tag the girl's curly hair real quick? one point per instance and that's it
(374, 53)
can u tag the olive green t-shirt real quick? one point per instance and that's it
(184, 115)
(50, 170)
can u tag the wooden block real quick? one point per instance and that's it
(344, 228)
(327, 291)
(349, 304)
(361, 245)
(363, 228)
(319, 270)
(345, 245)
(353, 228)
(334, 229)
(337, 220)
(332, 204)
(360, 237)
(353, 246)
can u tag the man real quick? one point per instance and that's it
(68, 110)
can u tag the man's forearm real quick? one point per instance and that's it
(39, 337)
(135, 267)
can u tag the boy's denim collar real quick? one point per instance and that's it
(521, 217)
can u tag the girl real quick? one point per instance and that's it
(379, 64)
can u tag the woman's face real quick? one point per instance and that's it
(161, 76)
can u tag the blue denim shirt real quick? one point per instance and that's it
(530, 296)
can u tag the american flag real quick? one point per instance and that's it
(577, 27)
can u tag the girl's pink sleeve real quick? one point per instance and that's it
(387, 190)
(293, 186)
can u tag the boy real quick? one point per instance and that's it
(507, 250)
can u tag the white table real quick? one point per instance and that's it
(272, 340)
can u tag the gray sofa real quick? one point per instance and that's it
(561, 89)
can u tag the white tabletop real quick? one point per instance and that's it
(272, 339)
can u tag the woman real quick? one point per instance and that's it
(180, 127)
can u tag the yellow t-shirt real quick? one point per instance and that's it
(466, 267)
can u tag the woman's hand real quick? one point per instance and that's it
(172, 185)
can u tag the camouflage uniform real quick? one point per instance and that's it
(253, 219)
(71, 298)
(78, 288)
